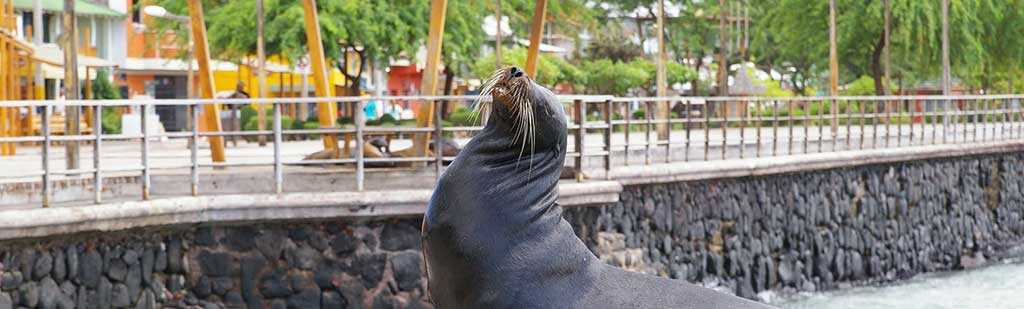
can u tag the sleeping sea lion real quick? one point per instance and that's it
(494, 236)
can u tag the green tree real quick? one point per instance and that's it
(605, 76)
(463, 37)
(551, 70)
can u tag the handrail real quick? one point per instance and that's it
(731, 126)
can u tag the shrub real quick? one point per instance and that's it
(111, 121)
(251, 125)
(463, 116)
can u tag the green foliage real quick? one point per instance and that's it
(463, 34)
(610, 77)
(551, 70)
(102, 88)
(865, 85)
(464, 117)
(568, 17)
(111, 121)
(253, 125)
(612, 43)
(247, 113)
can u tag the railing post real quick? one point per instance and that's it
(807, 127)
(707, 130)
(647, 132)
(744, 108)
(686, 126)
(629, 130)
(725, 125)
(438, 147)
(360, 152)
(668, 132)
(757, 108)
(581, 133)
(278, 166)
(821, 125)
(46, 153)
(775, 128)
(608, 139)
(849, 119)
(97, 130)
(790, 105)
(194, 149)
(145, 151)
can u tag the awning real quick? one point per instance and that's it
(81, 8)
(52, 60)
(544, 47)
(165, 65)
(52, 55)
(56, 72)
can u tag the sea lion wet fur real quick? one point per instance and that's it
(494, 236)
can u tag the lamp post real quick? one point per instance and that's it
(161, 12)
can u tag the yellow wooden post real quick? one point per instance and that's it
(435, 37)
(663, 106)
(88, 95)
(4, 147)
(202, 54)
(536, 32)
(319, 67)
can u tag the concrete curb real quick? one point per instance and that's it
(34, 223)
(733, 168)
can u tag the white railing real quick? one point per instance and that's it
(621, 130)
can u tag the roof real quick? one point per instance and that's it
(81, 7)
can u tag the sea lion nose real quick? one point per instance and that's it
(515, 72)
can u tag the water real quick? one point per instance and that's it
(996, 286)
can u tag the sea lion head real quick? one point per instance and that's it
(529, 113)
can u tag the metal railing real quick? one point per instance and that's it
(615, 130)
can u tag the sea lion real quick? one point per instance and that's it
(494, 236)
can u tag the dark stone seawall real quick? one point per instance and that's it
(817, 230)
(808, 231)
(334, 264)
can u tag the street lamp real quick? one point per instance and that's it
(161, 12)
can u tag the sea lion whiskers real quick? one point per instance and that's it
(513, 91)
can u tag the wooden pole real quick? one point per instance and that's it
(536, 33)
(497, 35)
(887, 85)
(71, 82)
(88, 95)
(37, 37)
(946, 77)
(291, 89)
(261, 111)
(833, 65)
(4, 147)
(663, 112)
(318, 65)
(723, 60)
(202, 55)
(425, 114)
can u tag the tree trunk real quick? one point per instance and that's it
(876, 65)
(695, 83)
(640, 34)
(449, 78)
